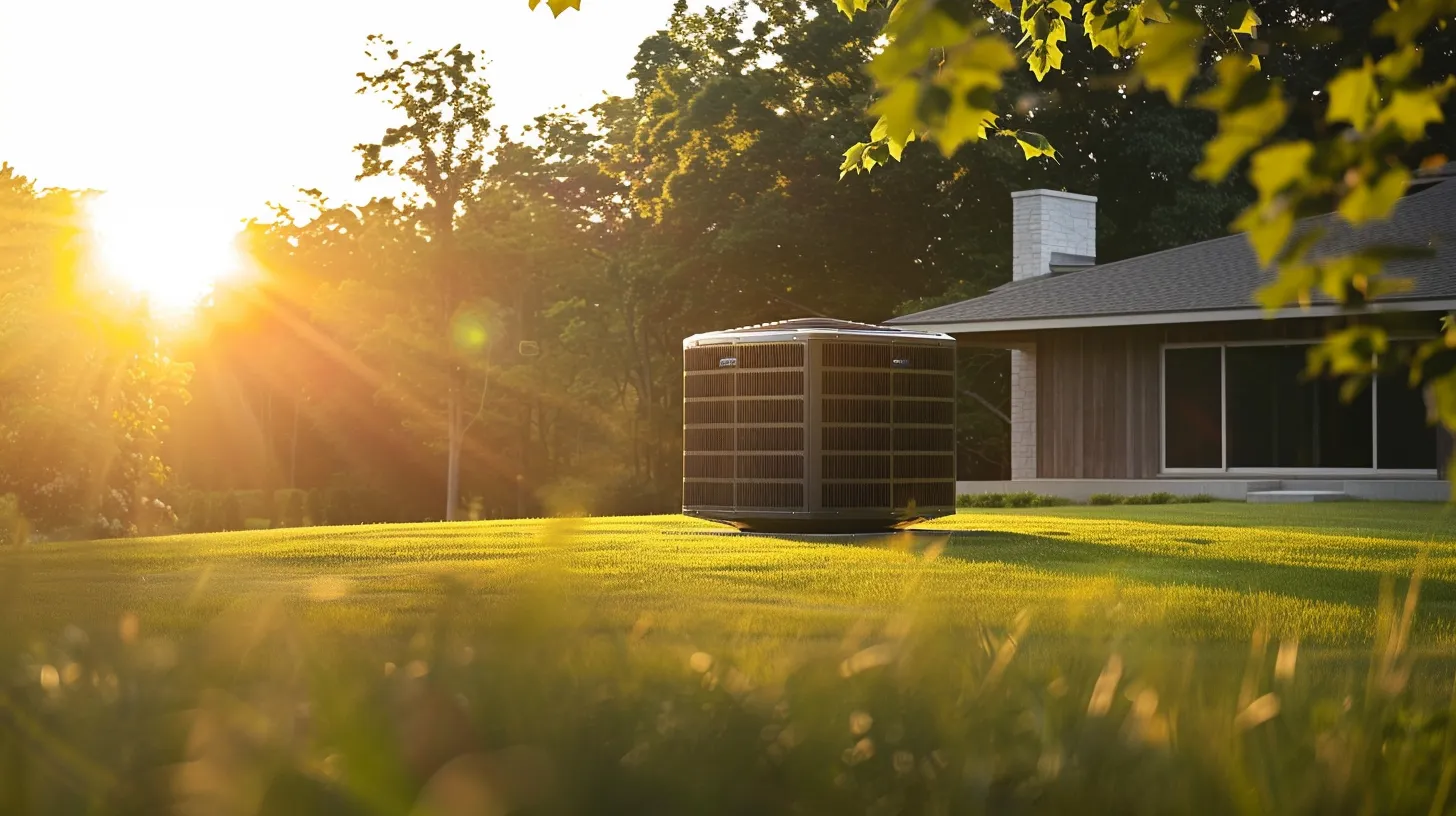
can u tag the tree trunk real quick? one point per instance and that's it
(454, 443)
(293, 448)
(523, 452)
(269, 453)
(650, 399)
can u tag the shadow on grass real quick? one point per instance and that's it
(1407, 521)
(1071, 557)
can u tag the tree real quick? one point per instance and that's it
(945, 66)
(734, 214)
(293, 509)
(87, 387)
(440, 149)
(232, 512)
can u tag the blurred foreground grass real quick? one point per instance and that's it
(1189, 658)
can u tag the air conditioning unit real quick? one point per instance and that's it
(818, 425)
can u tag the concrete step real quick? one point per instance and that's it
(1295, 496)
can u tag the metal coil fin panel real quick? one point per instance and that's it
(916, 495)
(846, 425)
(927, 358)
(707, 467)
(857, 383)
(705, 359)
(770, 494)
(856, 467)
(708, 413)
(924, 385)
(708, 494)
(707, 439)
(857, 495)
(770, 384)
(925, 439)
(856, 439)
(770, 412)
(857, 355)
(930, 466)
(924, 413)
(709, 385)
(758, 466)
(771, 355)
(870, 411)
(770, 439)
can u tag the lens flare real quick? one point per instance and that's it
(168, 254)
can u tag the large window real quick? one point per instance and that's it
(1279, 419)
(1192, 401)
(1403, 439)
(1250, 407)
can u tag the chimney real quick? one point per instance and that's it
(1051, 232)
(1051, 228)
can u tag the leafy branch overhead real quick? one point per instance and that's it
(941, 66)
(557, 6)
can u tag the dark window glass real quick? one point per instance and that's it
(1279, 419)
(1406, 441)
(1192, 398)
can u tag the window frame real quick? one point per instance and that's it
(1223, 346)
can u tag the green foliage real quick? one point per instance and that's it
(341, 509)
(981, 500)
(430, 316)
(1162, 498)
(270, 507)
(942, 65)
(293, 509)
(213, 519)
(85, 389)
(557, 6)
(315, 509)
(1096, 499)
(1025, 499)
(231, 512)
(197, 520)
(1044, 500)
(14, 529)
(1150, 498)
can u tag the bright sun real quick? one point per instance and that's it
(170, 255)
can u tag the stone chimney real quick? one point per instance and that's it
(1049, 229)
(1044, 222)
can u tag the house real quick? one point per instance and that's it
(1160, 373)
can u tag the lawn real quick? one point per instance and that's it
(1200, 572)
(1113, 658)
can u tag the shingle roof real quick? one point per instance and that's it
(1220, 274)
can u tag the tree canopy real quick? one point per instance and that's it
(506, 330)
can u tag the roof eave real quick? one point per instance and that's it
(950, 326)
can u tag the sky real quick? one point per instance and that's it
(202, 111)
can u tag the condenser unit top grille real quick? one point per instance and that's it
(805, 328)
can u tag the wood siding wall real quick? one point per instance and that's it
(1098, 401)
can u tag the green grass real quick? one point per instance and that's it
(656, 665)
(1204, 572)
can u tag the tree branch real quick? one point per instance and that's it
(987, 403)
